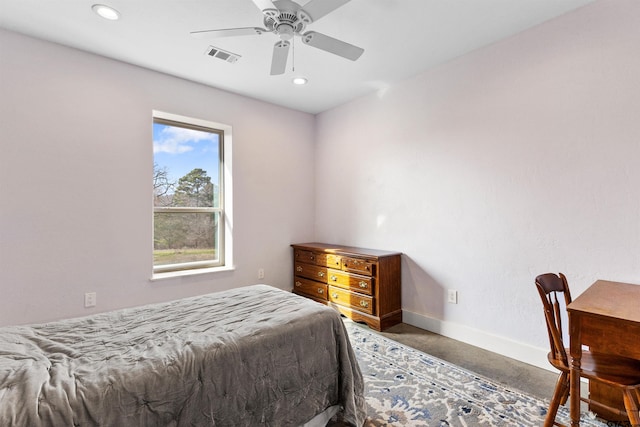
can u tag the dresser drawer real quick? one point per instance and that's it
(357, 265)
(329, 260)
(324, 260)
(308, 257)
(358, 302)
(311, 288)
(311, 271)
(362, 284)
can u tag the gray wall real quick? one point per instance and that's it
(514, 160)
(76, 167)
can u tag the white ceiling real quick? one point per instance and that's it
(401, 38)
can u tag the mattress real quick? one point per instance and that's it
(250, 356)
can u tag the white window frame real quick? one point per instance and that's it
(225, 210)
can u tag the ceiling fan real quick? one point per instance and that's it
(287, 19)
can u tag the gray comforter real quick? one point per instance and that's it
(245, 357)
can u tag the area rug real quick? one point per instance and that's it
(406, 387)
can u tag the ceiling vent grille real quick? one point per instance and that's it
(222, 54)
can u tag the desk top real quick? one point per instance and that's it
(611, 299)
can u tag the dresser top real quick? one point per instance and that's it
(344, 250)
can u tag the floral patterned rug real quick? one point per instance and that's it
(405, 387)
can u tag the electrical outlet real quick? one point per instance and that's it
(90, 299)
(261, 273)
(452, 296)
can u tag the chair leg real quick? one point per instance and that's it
(560, 394)
(565, 395)
(631, 407)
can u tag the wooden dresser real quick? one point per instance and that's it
(363, 284)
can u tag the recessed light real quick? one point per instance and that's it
(299, 81)
(106, 12)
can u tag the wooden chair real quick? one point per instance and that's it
(620, 372)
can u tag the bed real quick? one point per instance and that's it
(252, 356)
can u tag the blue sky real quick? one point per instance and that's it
(181, 150)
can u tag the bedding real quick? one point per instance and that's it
(252, 356)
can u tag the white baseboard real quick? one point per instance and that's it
(507, 347)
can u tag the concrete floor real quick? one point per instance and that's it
(512, 373)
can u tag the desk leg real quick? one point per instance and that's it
(576, 353)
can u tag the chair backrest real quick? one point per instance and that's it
(553, 288)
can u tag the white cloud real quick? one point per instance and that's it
(175, 140)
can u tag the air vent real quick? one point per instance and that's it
(222, 54)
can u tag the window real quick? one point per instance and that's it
(190, 218)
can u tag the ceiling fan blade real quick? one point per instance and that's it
(265, 4)
(316, 9)
(280, 54)
(331, 45)
(229, 32)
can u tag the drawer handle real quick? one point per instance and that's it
(364, 304)
(298, 283)
(334, 278)
(320, 273)
(320, 291)
(298, 269)
(363, 284)
(334, 295)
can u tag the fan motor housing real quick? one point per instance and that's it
(288, 20)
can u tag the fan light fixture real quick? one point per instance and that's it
(106, 12)
(299, 81)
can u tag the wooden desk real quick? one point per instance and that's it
(606, 317)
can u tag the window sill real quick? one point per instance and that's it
(193, 272)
